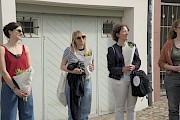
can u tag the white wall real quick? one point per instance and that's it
(35, 8)
(140, 38)
(93, 3)
(135, 16)
(136, 19)
(7, 14)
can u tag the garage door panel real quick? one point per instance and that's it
(57, 32)
(88, 25)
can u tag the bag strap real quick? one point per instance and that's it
(69, 53)
(113, 49)
(115, 52)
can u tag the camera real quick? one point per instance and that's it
(79, 65)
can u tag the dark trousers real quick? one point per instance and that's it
(172, 86)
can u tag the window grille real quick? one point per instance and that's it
(30, 26)
(107, 27)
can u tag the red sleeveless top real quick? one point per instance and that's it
(13, 63)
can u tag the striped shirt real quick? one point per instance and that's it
(70, 57)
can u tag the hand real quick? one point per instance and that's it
(128, 68)
(125, 69)
(19, 93)
(91, 67)
(131, 67)
(76, 71)
(176, 68)
(28, 92)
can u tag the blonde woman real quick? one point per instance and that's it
(79, 87)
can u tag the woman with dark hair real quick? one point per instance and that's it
(79, 87)
(170, 62)
(120, 73)
(14, 56)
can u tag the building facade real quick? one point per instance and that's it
(48, 28)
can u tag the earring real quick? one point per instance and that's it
(117, 34)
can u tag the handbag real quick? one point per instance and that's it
(61, 90)
(140, 83)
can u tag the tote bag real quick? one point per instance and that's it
(61, 90)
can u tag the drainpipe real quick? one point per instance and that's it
(149, 48)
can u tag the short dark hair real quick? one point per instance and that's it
(117, 28)
(11, 26)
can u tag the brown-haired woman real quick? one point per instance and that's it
(120, 74)
(14, 56)
(170, 62)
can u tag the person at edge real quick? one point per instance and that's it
(73, 54)
(170, 62)
(13, 56)
(120, 74)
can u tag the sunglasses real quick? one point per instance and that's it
(19, 30)
(83, 37)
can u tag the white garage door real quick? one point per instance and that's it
(47, 50)
(57, 31)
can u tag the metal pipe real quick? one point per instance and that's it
(149, 48)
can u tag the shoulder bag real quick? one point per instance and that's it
(140, 83)
(61, 89)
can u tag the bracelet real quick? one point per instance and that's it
(13, 88)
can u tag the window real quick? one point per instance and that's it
(169, 13)
(30, 26)
(107, 27)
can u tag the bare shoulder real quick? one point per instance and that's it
(26, 48)
(2, 49)
(2, 52)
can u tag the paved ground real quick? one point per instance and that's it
(158, 111)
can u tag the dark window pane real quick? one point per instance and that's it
(165, 15)
(107, 28)
(163, 37)
(170, 1)
(28, 26)
(170, 19)
(178, 12)
(162, 15)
